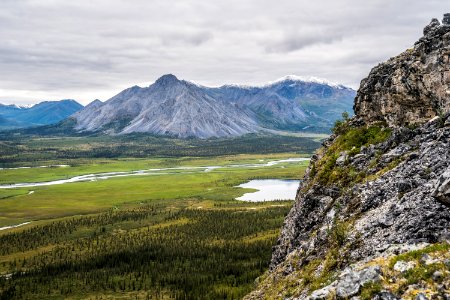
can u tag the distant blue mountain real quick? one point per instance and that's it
(292, 102)
(44, 113)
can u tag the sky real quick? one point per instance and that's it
(89, 49)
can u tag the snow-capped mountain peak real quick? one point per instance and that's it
(308, 79)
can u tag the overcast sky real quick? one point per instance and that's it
(87, 49)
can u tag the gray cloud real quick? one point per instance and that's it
(88, 49)
(299, 40)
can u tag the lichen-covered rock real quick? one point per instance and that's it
(421, 296)
(348, 286)
(349, 283)
(324, 293)
(402, 266)
(442, 189)
(385, 295)
(412, 87)
(352, 281)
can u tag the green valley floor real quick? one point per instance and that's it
(175, 233)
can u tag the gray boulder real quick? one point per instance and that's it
(385, 295)
(446, 19)
(402, 266)
(421, 296)
(433, 24)
(442, 188)
(351, 282)
(323, 293)
(371, 274)
(340, 161)
(348, 286)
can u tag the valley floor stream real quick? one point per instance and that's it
(159, 171)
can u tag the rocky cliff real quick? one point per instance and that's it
(371, 218)
(412, 87)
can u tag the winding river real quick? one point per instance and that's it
(160, 171)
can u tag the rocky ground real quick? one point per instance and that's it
(346, 231)
(372, 215)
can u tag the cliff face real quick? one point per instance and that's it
(372, 215)
(412, 87)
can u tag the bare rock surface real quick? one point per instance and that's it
(397, 207)
(412, 87)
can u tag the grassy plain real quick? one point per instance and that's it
(178, 234)
(54, 170)
(34, 150)
(46, 202)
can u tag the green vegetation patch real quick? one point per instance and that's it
(94, 166)
(369, 290)
(326, 171)
(33, 150)
(55, 201)
(417, 254)
(158, 250)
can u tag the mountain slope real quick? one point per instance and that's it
(169, 106)
(180, 108)
(323, 101)
(371, 218)
(292, 102)
(44, 113)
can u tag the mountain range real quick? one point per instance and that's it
(184, 109)
(44, 113)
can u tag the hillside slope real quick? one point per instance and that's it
(43, 113)
(292, 102)
(372, 215)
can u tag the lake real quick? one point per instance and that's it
(270, 189)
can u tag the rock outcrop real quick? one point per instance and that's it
(412, 87)
(371, 218)
(446, 20)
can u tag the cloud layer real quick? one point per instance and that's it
(85, 49)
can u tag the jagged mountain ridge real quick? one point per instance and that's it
(184, 109)
(371, 219)
(292, 102)
(43, 113)
(169, 106)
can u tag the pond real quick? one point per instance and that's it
(269, 190)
